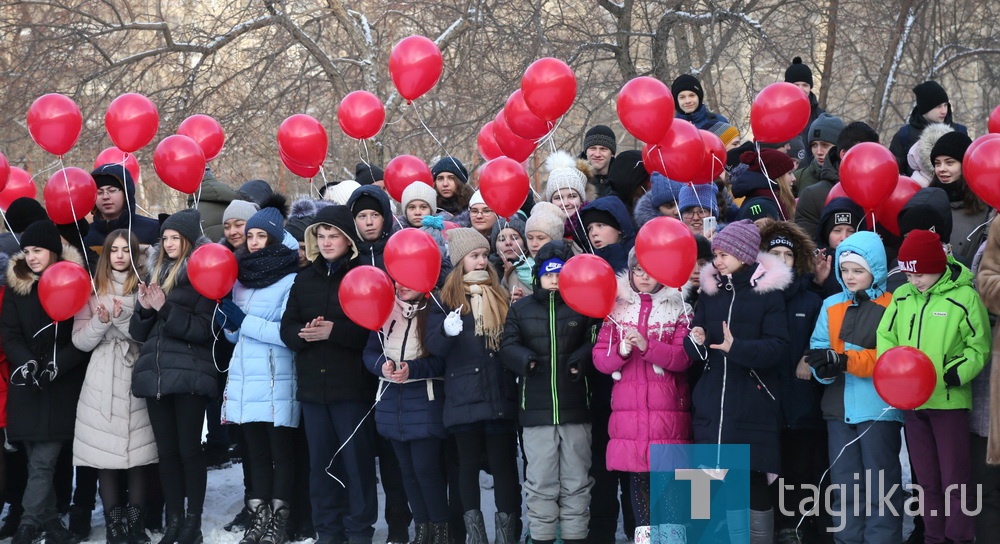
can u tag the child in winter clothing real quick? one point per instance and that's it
(419, 200)
(740, 334)
(651, 400)
(968, 211)
(696, 202)
(842, 355)
(548, 345)
(940, 313)
(567, 188)
(608, 230)
(410, 408)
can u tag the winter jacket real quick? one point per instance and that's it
(949, 324)
(749, 184)
(800, 399)
(988, 283)
(414, 409)
(328, 370)
(814, 112)
(847, 324)
(477, 387)
(112, 425)
(735, 398)
(176, 356)
(701, 117)
(649, 406)
(214, 197)
(262, 384)
(806, 177)
(371, 253)
(908, 134)
(968, 231)
(48, 413)
(146, 229)
(615, 254)
(812, 199)
(4, 365)
(542, 329)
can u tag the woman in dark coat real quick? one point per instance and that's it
(175, 372)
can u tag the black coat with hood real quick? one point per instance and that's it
(46, 413)
(908, 134)
(542, 329)
(371, 253)
(176, 356)
(146, 229)
(329, 370)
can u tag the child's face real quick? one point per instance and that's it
(644, 283)
(855, 277)
(725, 263)
(670, 210)
(838, 235)
(415, 212)
(536, 239)
(947, 169)
(784, 254)
(819, 150)
(510, 245)
(602, 234)
(567, 200)
(923, 282)
(550, 281)
(695, 277)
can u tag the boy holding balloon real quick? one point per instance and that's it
(940, 313)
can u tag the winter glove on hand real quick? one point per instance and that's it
(827, 363)
(49, 373)
(453, 324)
(951, 378)
(234, 315)
(26, 374)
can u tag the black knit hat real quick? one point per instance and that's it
(704, 247)
(799, 72)
(367, 174)
(600, 135)
(929, 96)
(296, 226)
(597, 215)
(256, 191)
(366, 202)
(42, 234)
(187, 223)
(686, 82)
(23, 212)
(453, 165)
(953, 144)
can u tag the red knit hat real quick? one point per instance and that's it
(775, 162)
(922, 253)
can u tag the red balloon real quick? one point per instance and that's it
(19, 184)
(400, 172)
(180, 163)
(682, 151)
(448, 225)
(303, 139)
(113, 155)
(413, 259)
(715, 158)
(521, 120)
(994, 122)
(836, 192)
(904, 377)
(307, 172)
(63, 290)
(887, 213)
(4, 171)
(54, 122)
(779, 113)
(212, 270)
(361, 115)
(549, 87)
(652, 158)
(980, 141)
(206, 132)
(415, 66)
(504, 186)
(981, 168)
(131, 121)
(511, 144)
(587, 283)
(487, 143)
(646, 108)
(367, 295)
(667, 251)
(69, 195)
(868, 174)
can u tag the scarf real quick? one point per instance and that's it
(266, 266)
(489, 308)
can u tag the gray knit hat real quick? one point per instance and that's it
(826, 128)
(187, 223)
(548, 218)
(740, 239)
(419, 190)
(463, 241)
(239, 209)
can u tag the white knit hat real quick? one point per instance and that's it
(563, 174)
(477, 198)
(419, 190)
(547, 218)
(341, 192)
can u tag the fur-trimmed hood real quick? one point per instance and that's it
(804, 250)
(925, 144)
(770, 274)
(626, 295)
(182, 276)
(21, 279)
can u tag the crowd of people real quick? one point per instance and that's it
(772, 343)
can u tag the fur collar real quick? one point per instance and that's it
(154, 253)
(771, 274)
(667, 294)
(21, 279)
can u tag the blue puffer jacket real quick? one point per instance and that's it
(262, 381)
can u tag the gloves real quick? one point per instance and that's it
(234, 315)
(26, 374)
(951, 377)
(49, 373)
(826, 363)
(453, 323)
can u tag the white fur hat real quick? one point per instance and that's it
(341, 192)
(564, 174)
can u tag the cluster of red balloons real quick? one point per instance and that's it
(904, 377)
(302, 144)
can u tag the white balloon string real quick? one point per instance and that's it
(79, 233)
(329, 466)
(9, 229)
(215, 335)
(128, 210)
(441, 145)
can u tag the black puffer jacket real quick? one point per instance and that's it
(176, 356)
(542, 326)
(329, 370)
(47, 413)
(372, 253)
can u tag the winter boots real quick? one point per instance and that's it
(260, 519)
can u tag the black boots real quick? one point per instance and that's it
(506, 526)
(260, 518)
(27, 534)
(475, 527)
(79, 521)
(439, 533)
(57, 533)
(277, 530)
(423, 534)
(135, 518)
(116, 525)
(173, 529)
(190, 530)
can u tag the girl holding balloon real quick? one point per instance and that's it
(175, 371)
(47, 377)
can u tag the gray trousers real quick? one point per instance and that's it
(557, 480)
(39, 499)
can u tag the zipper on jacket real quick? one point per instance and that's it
(920, 324)
(753, 373)
(913, 321)
(402, 353)
(553, 356)
(725, 359)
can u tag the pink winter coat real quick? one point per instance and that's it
(647, 407)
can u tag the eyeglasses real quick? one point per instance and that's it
(638, 271)
(108, 191)
(699, 212)
(485, 212)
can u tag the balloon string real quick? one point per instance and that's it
(366, 159)
(215, 335)
(441, 145)
(550, 135)
(402, 114)
(313, 189)
(9, 229)
(52, 166)
(128, 210)
(83, 245)
(42, 329)
(770, 184)
(329, 466)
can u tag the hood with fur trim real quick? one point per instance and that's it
(804, 250)
(924, 146)
(771, 274)
(21, 279)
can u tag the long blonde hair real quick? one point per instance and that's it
(103, 277)
(453, 290)
(167, 283)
